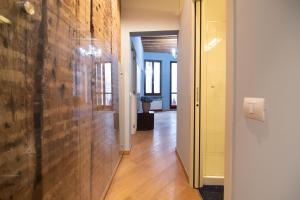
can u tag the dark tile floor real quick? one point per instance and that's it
(212, 192)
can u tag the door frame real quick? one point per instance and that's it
(230, 102)
(197, 164)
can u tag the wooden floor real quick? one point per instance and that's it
(152, 170)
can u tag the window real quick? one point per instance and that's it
(104, 84)
(152, 77)
(173, 85)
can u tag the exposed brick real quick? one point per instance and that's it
(44, 118)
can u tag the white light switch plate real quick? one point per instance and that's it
(254, 108)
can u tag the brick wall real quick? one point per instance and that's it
(55, 142)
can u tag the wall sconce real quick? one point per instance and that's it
(27, 6)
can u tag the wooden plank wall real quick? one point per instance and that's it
(54, 142)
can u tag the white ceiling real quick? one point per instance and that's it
(166, 6)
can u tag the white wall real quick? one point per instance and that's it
(138, 16)
(139, 49)
(266, 156)
(185, 85)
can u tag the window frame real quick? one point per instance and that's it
(173, 106)
(160, 84)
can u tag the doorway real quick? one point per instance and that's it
(154, 75)
(210, 103)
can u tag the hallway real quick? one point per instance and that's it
(152, 170)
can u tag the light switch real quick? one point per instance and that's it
(254, 108)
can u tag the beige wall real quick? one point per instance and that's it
(139, 16)
(185, 85)
(266, 156)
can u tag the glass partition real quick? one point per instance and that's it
(58, 99)
(213, 89)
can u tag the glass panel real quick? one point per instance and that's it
(148, 77)
(107, 77)
(98, 78)
(174, 100)
(101, 79)
(62, 132)
(99, 84)
(100, 99)
(174, 78)
(213, 87)
(108, 99)
(156, 77)
(86, 83)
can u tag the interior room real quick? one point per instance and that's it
(155, 58)
(149, 100)
(154, 78)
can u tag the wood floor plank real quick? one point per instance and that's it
(152, 171)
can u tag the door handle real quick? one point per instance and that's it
(197, 96)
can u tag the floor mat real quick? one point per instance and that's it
(212, 192)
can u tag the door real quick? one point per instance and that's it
(197, 179)
(210, 92)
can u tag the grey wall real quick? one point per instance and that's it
(266, 156)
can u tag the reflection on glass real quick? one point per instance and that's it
(77, 75)
(99, 84)
(108, 99)
(104, 84)
(156, 77)
(148, 77)
(108, 84)
(107, 78)
(86, 83)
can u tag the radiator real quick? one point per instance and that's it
(156, 104)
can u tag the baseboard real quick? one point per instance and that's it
(125, 153)
(157, 110)
(213, 180)
(182, 166)
(111, 179)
